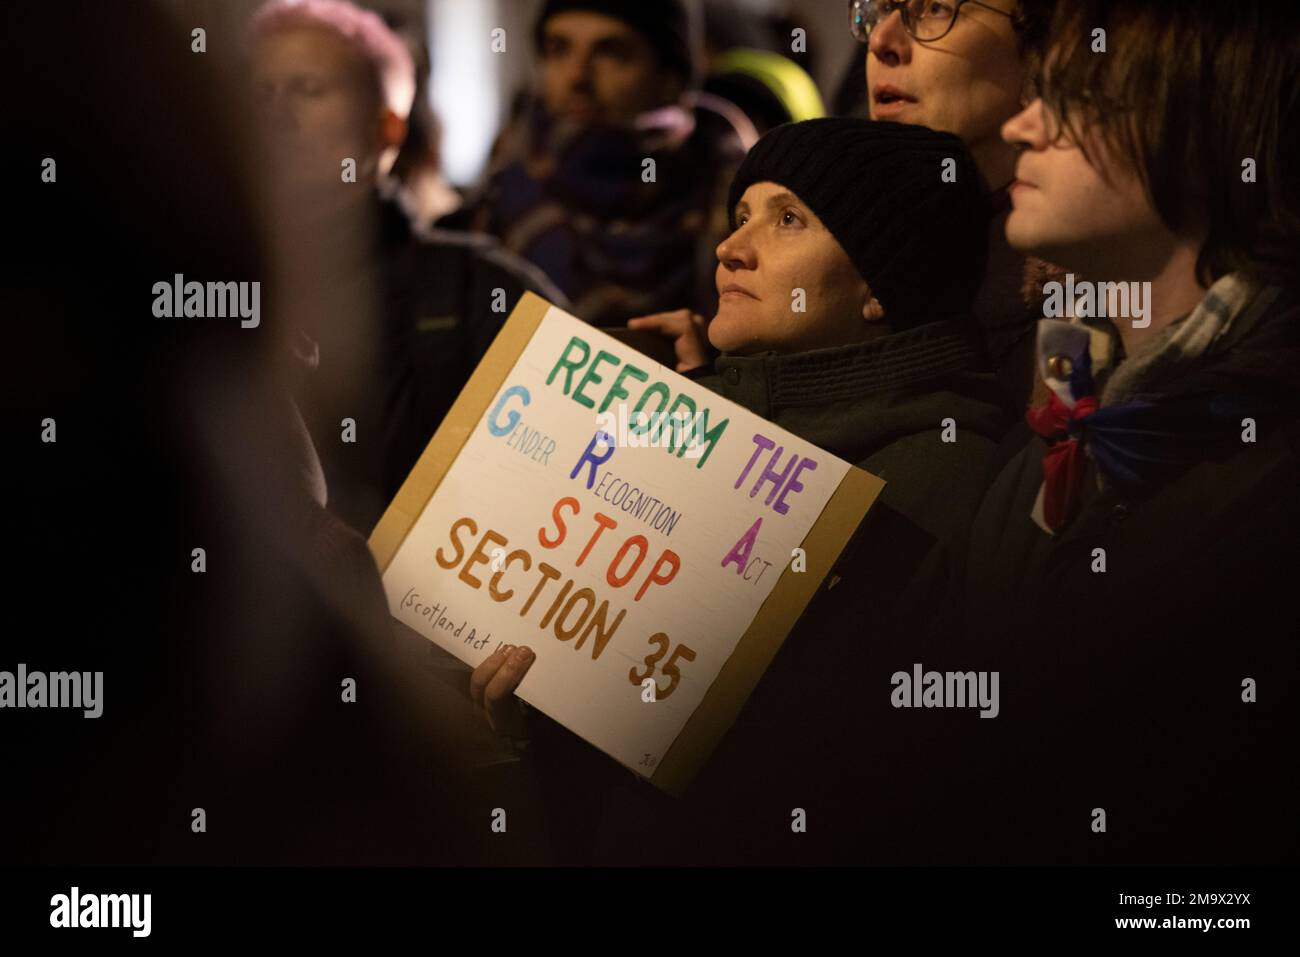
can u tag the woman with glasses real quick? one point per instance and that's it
(954, 66)
(960, 66)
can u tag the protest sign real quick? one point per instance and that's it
(653, 542)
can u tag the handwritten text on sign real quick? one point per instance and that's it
(615, 561)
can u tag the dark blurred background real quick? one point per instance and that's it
(471, 88)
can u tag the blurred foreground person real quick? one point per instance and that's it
(613, 181)
(335, 86)
(256, 706)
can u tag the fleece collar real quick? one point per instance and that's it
(851, 400)
(770, 383)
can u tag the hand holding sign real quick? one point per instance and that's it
(492, 688)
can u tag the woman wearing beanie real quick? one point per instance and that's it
(845, 310)
(843, 319)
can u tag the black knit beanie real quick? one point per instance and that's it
(667, 24)
(915, 227)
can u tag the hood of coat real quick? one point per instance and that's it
(854, 400)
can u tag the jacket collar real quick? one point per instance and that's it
(770, 383)
(855, 400)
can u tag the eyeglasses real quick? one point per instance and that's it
(924, 20)
(1086, 108)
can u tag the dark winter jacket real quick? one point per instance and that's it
(437, 294)
(1148, 650)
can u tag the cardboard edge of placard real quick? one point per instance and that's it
(457, 426)
(776, 618)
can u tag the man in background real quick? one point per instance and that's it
(613, 180)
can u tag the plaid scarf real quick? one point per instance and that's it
(1156, 416)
